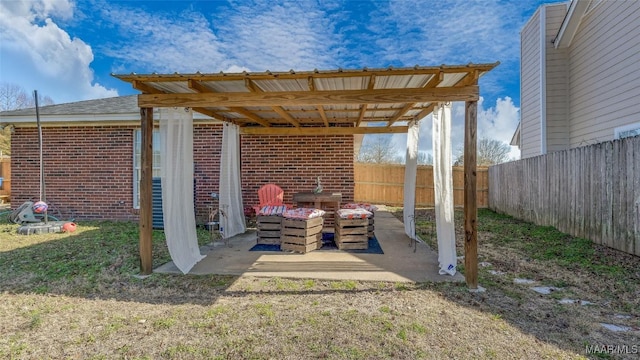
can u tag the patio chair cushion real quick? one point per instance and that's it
(365, 206)
(303, 213)
(269, 210)
(354, 213)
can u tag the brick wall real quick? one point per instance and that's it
(89, 170)
(207, 143)
(294, 162)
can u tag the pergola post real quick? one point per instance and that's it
(145, 186)
(470, 204)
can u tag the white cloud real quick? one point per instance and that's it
(37, 54)
(499, 122)
(262, 35)
(163, 42)
(452, 32)
(280, 35)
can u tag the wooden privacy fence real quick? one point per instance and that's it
(591, 192)
(384, 184)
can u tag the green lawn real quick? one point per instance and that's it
(76, 296)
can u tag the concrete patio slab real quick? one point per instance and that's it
(399, 263)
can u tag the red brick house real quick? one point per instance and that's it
(92, 159)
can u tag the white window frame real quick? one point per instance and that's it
(630, 130)
(137, 149)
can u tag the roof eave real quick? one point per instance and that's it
(571, 23)
(515, 139)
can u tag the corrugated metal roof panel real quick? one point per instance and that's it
(342, 114)
(340, 107)
(227, 86)
(172, 87)
(259, 108)
(233, 115)
(300, 108)
(401, 81)
(379, 114)
(341, 83)
(270, 115)
(413, 112)
(451, 79)
(282, 85)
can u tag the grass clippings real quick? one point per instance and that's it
(75, 296)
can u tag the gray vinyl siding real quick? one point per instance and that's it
(530, 88)
(557, 82)
(604, 72)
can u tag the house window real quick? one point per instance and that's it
(137, 146)
(627, 131)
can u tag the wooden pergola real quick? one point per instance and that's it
(365, 101)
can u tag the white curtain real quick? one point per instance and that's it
(443, 183)
(176, 149)
(410, 170)
(232, 222)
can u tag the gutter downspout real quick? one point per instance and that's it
(543, 81)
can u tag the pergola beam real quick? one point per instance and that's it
(428, 110)
(211, 113)
(285, 115)
(251, 116)
(322, 130)
(357, 110)
(307, 98)
(400, 113)
(432, 83)
(145, 88)
(323, 115)
(363, 108)
(277, 109)
(198, 86)
(201, 88)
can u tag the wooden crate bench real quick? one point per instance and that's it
(269, 229)
(371, 226)
(301, 235)
(352, 234)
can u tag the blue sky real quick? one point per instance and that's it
(68, 49)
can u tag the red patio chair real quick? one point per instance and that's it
(269, 194)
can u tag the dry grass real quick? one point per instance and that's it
(75, 296)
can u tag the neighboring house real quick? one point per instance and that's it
(580, 75)
(92, 159)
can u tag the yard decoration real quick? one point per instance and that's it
(318, 188)
(69, 227)
(40, 207)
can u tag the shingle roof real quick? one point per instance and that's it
(114, 105)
